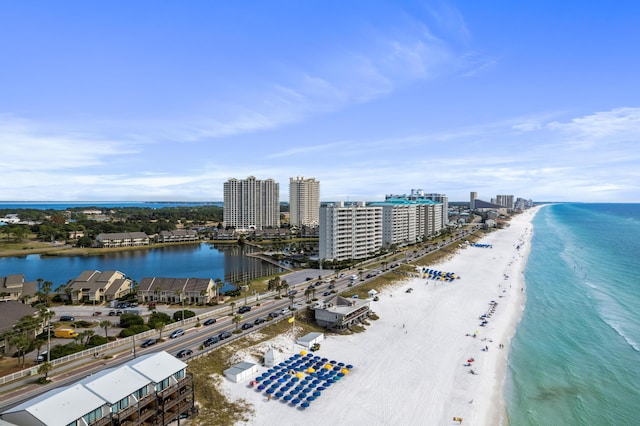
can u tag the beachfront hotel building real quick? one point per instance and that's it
(505, 201)
(304, 202)
(251, 204)
(408, 221)
(153, 389)
(435, 225)
(349, 232)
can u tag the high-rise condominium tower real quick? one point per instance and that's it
(304, 201)
(251, 203)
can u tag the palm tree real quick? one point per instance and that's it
(219, 285)
(236, 320)
(159, 327)
(233, 305)
(292, 297)
(106, 324)
(307, 292)
(44, 369)
(21, 343)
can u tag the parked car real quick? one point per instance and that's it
(210, 321)
(148, 342)
(284, 311)
(184, 353)
(292, 292)
(211, 341)
(96, 314)
(244, 309)
(224, 335)
(331, 286)
(42, 357)
(274, 314)
(176, 333)
(326, 293)
(259, 321)
(112, 313)
(246, 326)
(67, 318)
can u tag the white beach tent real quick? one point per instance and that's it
(241, 371)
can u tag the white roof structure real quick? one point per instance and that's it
(157, 366)
(62, 406)
(310, 339)
(240, 371)
(58, 407)
(112, 384)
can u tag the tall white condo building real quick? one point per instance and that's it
(251, 203)
(304, 201)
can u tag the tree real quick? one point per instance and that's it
(44, 369)
(21, 343)
(105, 324)
(236, 320)
(219, 285)
(157, 317)
(233, 305)
(159, 326)
(182, 315)
(127, 320)
(292, 297)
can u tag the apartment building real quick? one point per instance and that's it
(408, 221)
(153, 389)
(251, 204)
(96, 286)
(350, 232)
(399, 222)
(304, 202)
(505, 201)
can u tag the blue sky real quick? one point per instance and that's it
(166, 100)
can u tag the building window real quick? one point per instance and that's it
(92, 416)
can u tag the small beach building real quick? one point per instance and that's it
(241, 371)
(271, 358)
(310, 339)
(372, 293)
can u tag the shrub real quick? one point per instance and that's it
(159, 317)
(177, 316)
(127, 320)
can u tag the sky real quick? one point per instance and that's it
(166, 100)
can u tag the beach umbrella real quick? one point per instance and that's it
(302, 353)
(294, 391)
(341, 364)
(279, 394)
(317, 393)
(261, 387)
(270, 391)
(324, 359)
(259, 378)
(295, 401)
(304, 404)
(321, 388)
(349, 366)
(344, 371)
(265, 375)
(287, 397)
(328, 366)
(299, 375)
(311, 398)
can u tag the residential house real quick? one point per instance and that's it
(176, 290)
(13, 287)
(178, 236)
(12, 311)
(96, 286)
(122, 239)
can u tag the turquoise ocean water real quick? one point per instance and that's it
(575, 359)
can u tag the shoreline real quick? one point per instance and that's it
(421, 376)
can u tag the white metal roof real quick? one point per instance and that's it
(157, 366)
(114, 384)
(61, 406)
(310, 338)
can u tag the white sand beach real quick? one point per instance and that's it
(409, 366)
